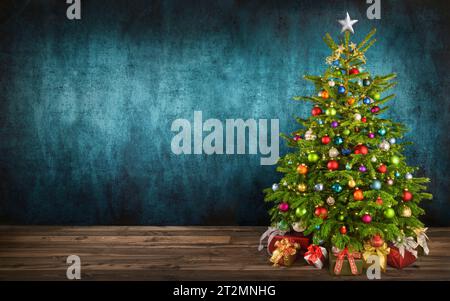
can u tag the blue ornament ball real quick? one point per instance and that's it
(336, 187)
(376, 185)
(317, 227)
(320, 121)
(338, 140)
(341, 89)
(382, 131)
(366, 100)
(336, 63)
(346, 151)
(397, 174)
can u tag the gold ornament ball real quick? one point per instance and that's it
(351, 183)
(299, 226)
(301, 187)
(331, 201)
(406, 211)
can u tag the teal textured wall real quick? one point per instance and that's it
(86, 106)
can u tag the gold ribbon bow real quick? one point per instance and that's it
(422, 239)
(381, 252)
(284, 249)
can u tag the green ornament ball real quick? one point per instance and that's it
(283, 225)
(395, 160)
(346, 132)
(376, 96)
(299, 212)
(389, 213)
(330, 112)
(313, 157)
(341, 218)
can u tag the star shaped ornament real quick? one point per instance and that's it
(347, 24)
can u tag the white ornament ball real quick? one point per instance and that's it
(384, 145)
(373, 159)
(331, 201)
(357, 116)
(331, 83)
(298, 226)
(408, 176)
(275, 187)
(392, 141)
(390, 182)
(309, 135)
(318, 187)
(333, 152)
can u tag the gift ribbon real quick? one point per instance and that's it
(381, 252)
(270, 233)
(406, 244)
(340, 260)
(315, 253)
(285, 248)
(422, 239)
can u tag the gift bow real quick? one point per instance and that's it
(270, 233)
(284, 249)
(340, 260)
(314, 252)
(381, 252)
(422, 239)
(408, 244)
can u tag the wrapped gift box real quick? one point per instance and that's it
(299, 238)
(346, 269)
(396, 260)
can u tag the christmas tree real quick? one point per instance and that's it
(347, 181)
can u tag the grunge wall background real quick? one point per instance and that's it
(86, 106)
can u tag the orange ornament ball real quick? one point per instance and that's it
(358, 195)
(302, 169)
(325, 94)
(351, 101)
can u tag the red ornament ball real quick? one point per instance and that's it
(364, 119)
(332, 165)
(382, 168)
(379, 201)
(361, 150)
(358, 195)
(343, 229)
(297, 138)
(316, 111)
(376, 241)
(326, 139)
(407, 196)
(321, 212)
(354, 71)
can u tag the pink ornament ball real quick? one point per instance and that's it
(283, 207)
(366, 218)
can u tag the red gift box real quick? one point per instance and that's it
(395, 259)
(299, 238)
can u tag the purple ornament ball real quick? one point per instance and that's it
(334, 124)
(371, 135)
(362, 168)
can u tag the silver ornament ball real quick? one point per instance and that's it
(331, 201)
(318, 187)
(333, 152)
(275, 187)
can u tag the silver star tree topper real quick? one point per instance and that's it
(347, 24)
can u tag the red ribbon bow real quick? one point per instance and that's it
(315, 253)
(351, 260)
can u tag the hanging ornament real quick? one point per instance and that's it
(375, 109)
(275, 187)
(348, 166)
(366, 100)
(408, 176)
(326, 139)
(397, 174)
(390, 182)
(395, 160)
(321, 212)
(346, 132)
(382, 131)
(297, 138)
(316, 111)
(313, 157)
(343, 230)
(373, 159)
(382, 168)
(361, 149)
(338, 140)
(331, 83)
(309, 135)
(341, 89)
(376, 96)
(330, 111)
(317, 227)
(283, 225)
(364, 119)
(389, 213)
(325, 94)
(376, 185)
(320, 121)
(318, 187)
(366, 82)
(371, 135)
(299, 226)
(351, 183)
(407, 196)
(333, 152)
(336, 187)
(379, 200)
(301, 187)
(332, 165)
(362, 168)
(376, 241)
(341, 217)
(406, 211)
(302, 169)
(357, 116)
(299, 212)
(283, 207)
(392, 140)
(353, 71)
(331, 201)
(366, 218)
(351, 101)
(334, 124)
(336, 63)
(346, 151)
(384, 146)
(358, 195)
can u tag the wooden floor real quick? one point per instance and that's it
(173, 253)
